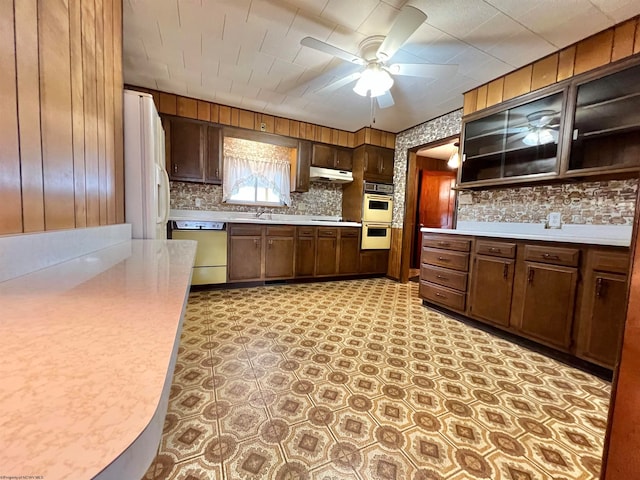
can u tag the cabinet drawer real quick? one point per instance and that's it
(443, 276)
(239, 229)
(442, 295)
(445, 258)
(349, 232)
(614, 262)
(554, 255)
(306, 231)
(447, 243)
(496, 249)
(327, 232)
(281, 231)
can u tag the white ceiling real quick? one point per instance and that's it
(247, 53)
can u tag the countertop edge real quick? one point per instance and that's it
(604, 241)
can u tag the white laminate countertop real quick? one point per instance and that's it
(265, 218)
(611, 235)
(88, 347)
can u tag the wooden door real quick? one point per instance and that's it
(491, 287)
(601, 330)
(245, 256)
(344, 159)
(374, 261)
(437, 199)
(326, 255)
(349, 262)
(186, 150)
(371, 163)
(547, 309)
(279, 259)
(305, 256)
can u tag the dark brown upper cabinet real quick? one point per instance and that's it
(330, 156)
(587, 125)
(515, 143)
(193, 150)
(378, 164)
(605, 132)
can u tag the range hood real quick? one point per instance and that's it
(318, 174)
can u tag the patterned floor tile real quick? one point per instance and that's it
(357, 380)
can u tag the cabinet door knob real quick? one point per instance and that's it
(530, 275)
(175, 168)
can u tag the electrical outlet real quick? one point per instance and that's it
(554, 220)
(263, 127)
(198, 202)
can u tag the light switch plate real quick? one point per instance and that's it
(198, 202)
(554, 220)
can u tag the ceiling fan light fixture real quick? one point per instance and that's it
(375, 80)
(537, 137)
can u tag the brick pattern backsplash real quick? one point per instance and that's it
(582, 203)
(321, 199)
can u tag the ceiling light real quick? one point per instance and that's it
(454, 159)
(375, 80)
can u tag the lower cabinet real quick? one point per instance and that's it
(279, 252)
(604, 307)
(349, 262)
(566, 296)
(282, 252)
(374, 261)
(245, 253)
(547, 308)
(305, 252)
(492, 281)
(326, 252)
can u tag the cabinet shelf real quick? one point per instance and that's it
(505, 152)
(609, 101)
(607, 131)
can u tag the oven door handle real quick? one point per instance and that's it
(377, 225)
(382, 198)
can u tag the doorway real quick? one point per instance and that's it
(436, 204)
(430, 198)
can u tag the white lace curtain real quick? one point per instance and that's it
(269, 173)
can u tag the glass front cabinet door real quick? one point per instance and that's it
(514, 144)
(605, 133)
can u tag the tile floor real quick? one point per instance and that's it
(357, 380)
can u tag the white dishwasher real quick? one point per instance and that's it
(211, 256)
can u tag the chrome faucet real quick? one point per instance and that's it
(259, 213)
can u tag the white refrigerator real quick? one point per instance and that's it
(145, 176)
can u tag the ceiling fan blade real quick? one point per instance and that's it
(385, 100)
(333, 86)
(331, 50)
(422, 70)
(407, 22)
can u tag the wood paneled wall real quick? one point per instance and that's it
(613, 44)
(236, 117)
(61, 145)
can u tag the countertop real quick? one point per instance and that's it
(87, 347)
(265, 218)
(612, 235)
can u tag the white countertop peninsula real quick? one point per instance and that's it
(612, 235)
(89, 346)
(265, 218)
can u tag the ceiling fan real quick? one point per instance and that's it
(537, 128)
(376, 78)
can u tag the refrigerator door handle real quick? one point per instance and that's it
(163, 195)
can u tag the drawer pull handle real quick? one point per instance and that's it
(440, 277)
(443, 244)
(440, 295)
(255, 242)
(530, 276)
(444, 259)
(599, 286)
(549, 256)
(505, 272)
(494, 250)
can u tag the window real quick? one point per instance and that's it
(256, 173)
